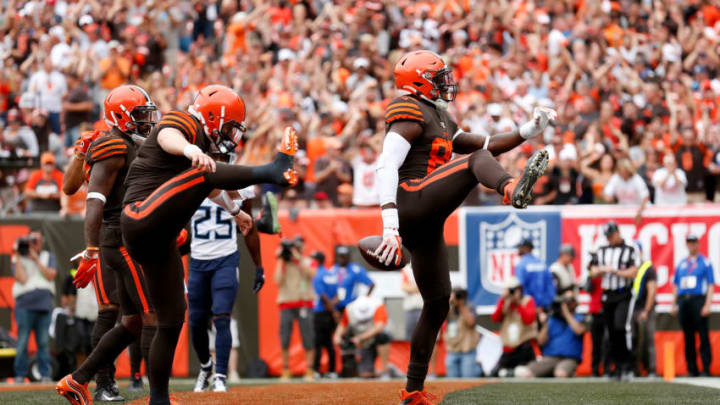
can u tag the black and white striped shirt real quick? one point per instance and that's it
(619, 257)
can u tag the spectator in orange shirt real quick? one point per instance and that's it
(43, 187)
(114, 70)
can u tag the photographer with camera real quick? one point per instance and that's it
(362, 329)
(518, 331)
(561, 334)
(294, 275)
(33, 291)
(461, 338)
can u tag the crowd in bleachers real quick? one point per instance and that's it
(633, 83)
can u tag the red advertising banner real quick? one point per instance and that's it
(661, 232)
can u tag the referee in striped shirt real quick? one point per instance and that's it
(617, 264)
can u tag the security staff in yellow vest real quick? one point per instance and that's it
(645, 291)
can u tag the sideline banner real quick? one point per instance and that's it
(489, 236)
(661, 234)
(488, 247)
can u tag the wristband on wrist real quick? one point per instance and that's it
(190, 150)
(390, 218)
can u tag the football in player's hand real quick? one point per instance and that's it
(369, 244)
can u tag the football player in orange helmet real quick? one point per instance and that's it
(103, 159)
(420, 187)
(168, 181)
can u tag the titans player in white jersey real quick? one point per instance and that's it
(213, 279)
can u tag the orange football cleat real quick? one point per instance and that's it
(289, 142)
(417, 398)
(291, 176)
(73, 391)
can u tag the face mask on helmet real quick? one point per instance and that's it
(230, 135)
(445, 84)
(145, 117)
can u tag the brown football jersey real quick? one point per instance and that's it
(112, 144)
(434, 147)
(153, 166)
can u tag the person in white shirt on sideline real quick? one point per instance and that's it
(669, 182)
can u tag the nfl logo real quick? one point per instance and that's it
(498, 248)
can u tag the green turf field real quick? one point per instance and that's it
(588, 393)
(549, 392)
(49, 397)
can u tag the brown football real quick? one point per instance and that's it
(367, 246)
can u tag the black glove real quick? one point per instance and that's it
(259, 279)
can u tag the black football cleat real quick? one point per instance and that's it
(518, 192)
(108, 393)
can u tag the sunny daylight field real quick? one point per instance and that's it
(455, 392)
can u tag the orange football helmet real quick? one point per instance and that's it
(424, 74)
(221, 111)
(130, 109)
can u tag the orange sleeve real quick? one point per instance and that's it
(345, 321)
(33, 180)
(381, 315)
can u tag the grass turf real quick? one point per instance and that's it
(50, 397)
(606, 393)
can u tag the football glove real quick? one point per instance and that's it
(541, 117)
(390, 250)
(89, 263)
(83, 143)
(259, 279)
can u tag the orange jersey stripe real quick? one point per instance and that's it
(432, 179)
(403, 116)
(120, 152)
(408, 110)
(171, 181)
(111, 142)
(107, 149)
(136, 279)
(145, 211)
(101, 285)
(183, 118)
(413, 105)
(443, 168)
(177, 123)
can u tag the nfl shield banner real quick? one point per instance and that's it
(488, 246)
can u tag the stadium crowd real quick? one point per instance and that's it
(633, 82)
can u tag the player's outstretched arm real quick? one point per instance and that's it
(173, 142)
(465, 142)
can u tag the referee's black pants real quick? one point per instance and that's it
(689, 308)
(617, 311)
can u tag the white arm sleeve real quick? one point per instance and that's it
(246, 193)
(395, 150)
(224, 200)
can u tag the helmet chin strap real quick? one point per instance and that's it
(438, 102)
